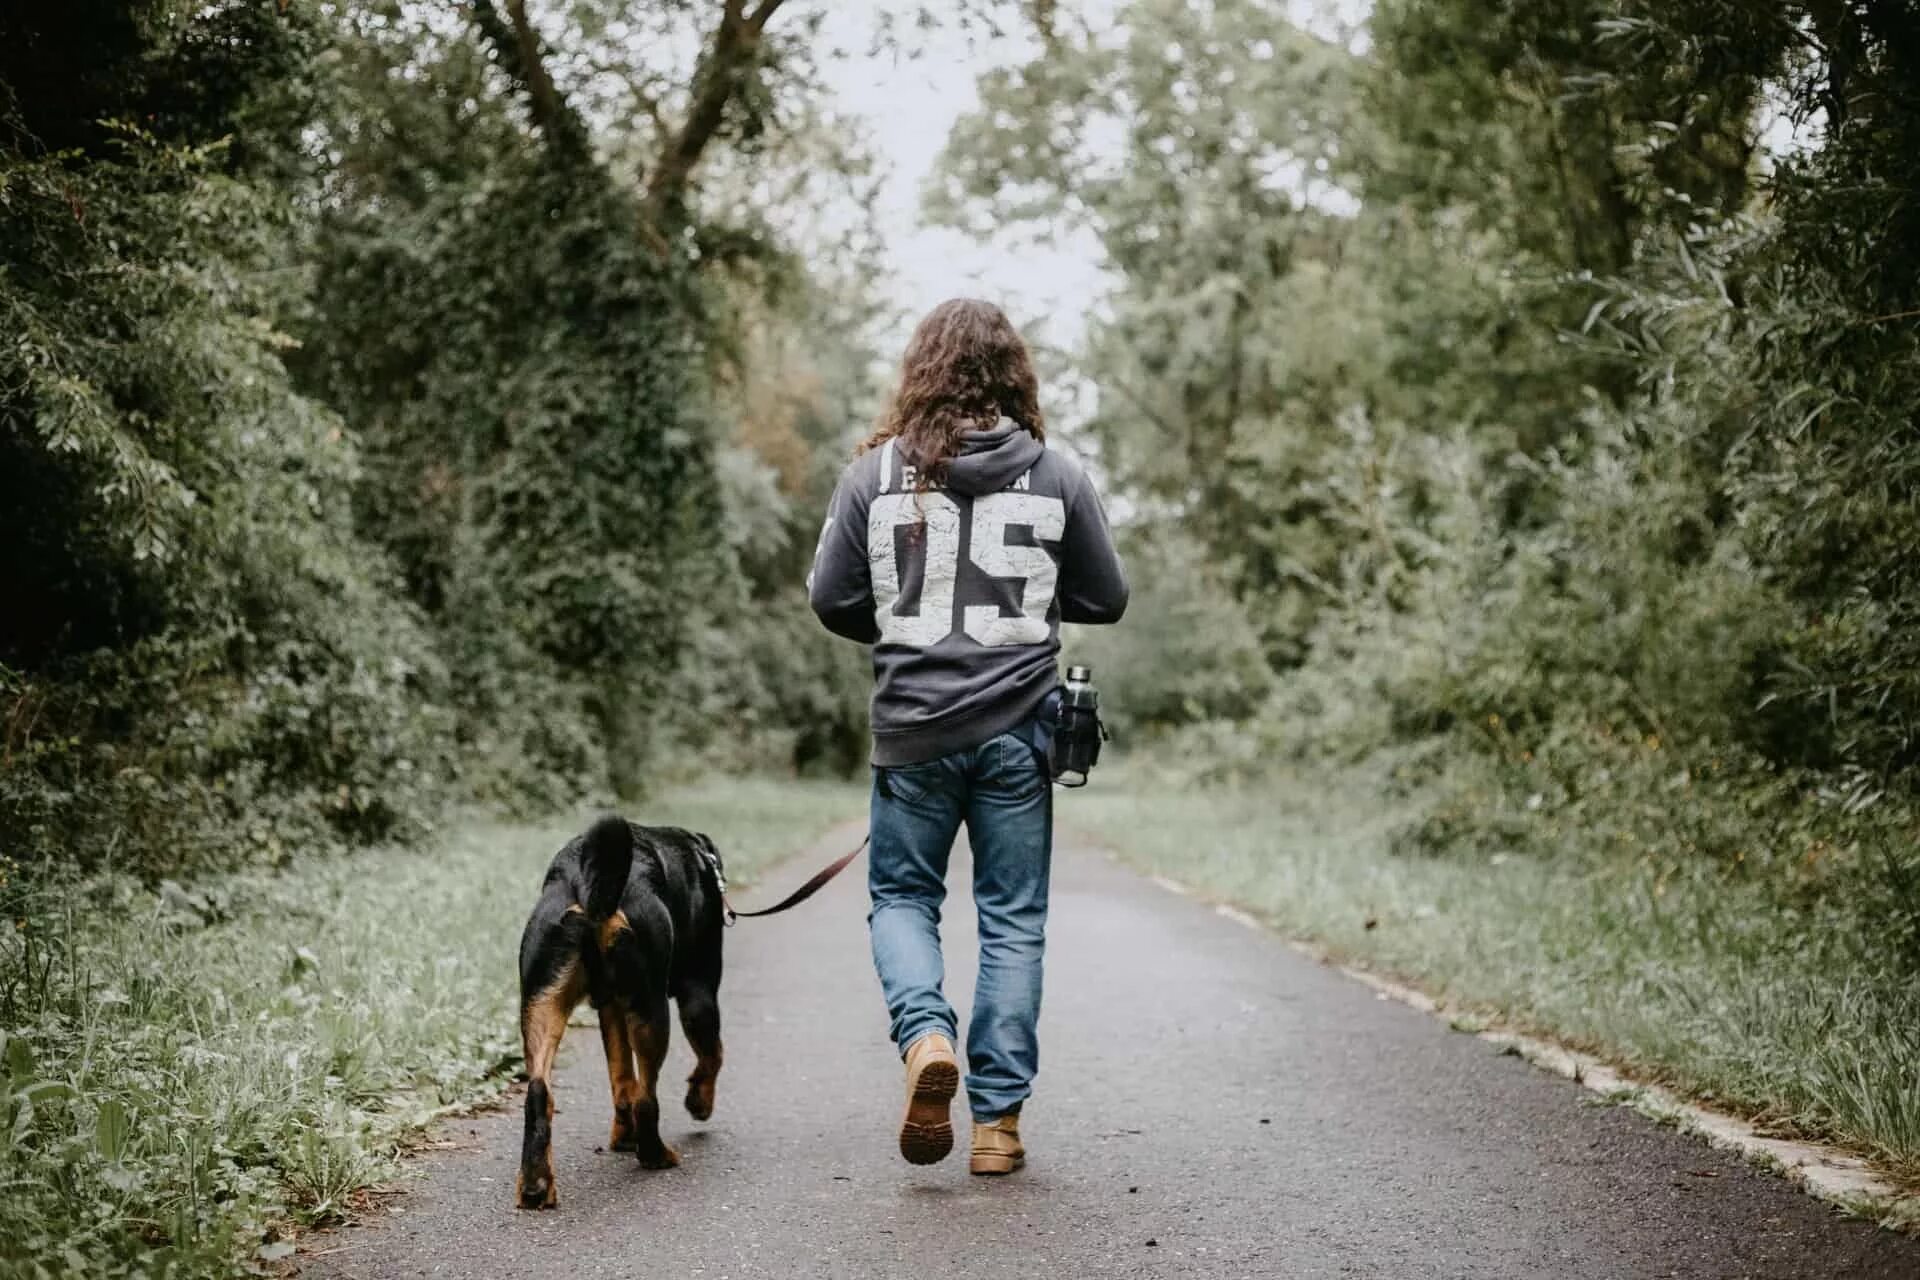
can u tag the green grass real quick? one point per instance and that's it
(1773, 1009)
(184, 1075)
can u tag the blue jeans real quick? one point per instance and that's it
(1000, 790)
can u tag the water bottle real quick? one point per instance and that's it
(1076, 730)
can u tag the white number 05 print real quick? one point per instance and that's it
(989, 551)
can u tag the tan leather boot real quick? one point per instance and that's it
(996, 1146)
(933, 1077)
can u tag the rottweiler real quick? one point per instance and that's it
(628, 916)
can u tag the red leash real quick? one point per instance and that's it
(805, 891)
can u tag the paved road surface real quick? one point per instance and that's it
(1210, 1104)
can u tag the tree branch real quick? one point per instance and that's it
(517, 45)
(760, 15)
(547, 106)
(724, 67)
(1041, 13)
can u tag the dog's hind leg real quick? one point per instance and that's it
(543, 1021)
(649, 1033)
(621, 1078)
(700, 1017)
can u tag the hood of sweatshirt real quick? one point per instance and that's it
(991, 460)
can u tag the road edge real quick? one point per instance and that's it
(1826, 1172)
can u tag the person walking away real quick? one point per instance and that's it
(956, 543)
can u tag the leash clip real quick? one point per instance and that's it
(712, 860)
(727, 914)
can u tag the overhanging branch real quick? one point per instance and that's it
(517, 46)
(730, 57)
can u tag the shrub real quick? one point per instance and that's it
(201, 662)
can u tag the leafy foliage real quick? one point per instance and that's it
(1548, 416)
(365, 418)
(535, 465)
(201, 660)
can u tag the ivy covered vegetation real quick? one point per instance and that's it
(381, 423)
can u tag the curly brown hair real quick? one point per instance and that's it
(965, 369)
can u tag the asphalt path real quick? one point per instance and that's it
(1211, 1103)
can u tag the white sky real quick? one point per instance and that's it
(1048, 281)
(907, 107)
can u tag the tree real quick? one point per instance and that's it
(1221, 212)
(519, 321)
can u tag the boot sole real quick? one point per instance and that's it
(926, 1132)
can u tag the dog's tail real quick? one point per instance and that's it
(608, 848)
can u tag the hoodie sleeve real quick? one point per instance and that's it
(1093, 582)
(840, 586)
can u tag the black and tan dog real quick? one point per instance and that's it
(628, 916)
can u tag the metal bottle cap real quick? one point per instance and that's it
(1079, 675)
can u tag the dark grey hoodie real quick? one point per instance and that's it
(961, 590)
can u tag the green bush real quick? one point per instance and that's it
(201, 662)
(357, 442)
(1180, 607)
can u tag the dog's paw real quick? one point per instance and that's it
(625, 1135)
(537, 1192)
(663, 1158)
(700, 1099)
